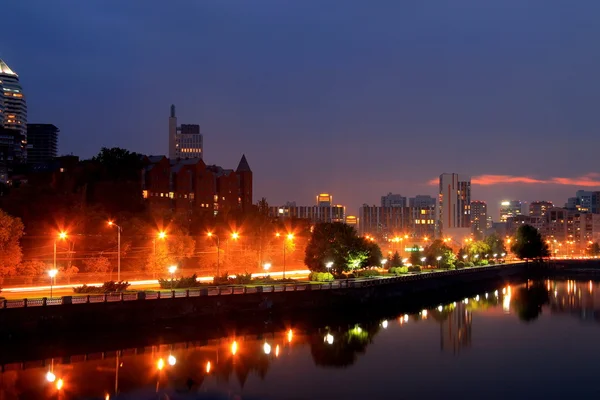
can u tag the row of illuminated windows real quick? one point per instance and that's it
(424, 222)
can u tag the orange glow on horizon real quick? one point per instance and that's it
(588, 180)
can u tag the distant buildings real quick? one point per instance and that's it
(191, 185)
(539, 208)
(422, 201)
(323, 211)
(510, 209)
(386, 222)
(584, 201)
(454, 205)
(42, 143)
(393, 200)
(13, 117)
(185, 141)
(479, 218)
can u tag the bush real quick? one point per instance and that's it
(483, 262)
(398, 270)
(414, 268)
(320, 277)
(461, 265)
(241, 279)
(222, 279)
(108, 287)
(368, 273)
(181, 283)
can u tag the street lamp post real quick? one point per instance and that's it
(172, 270)
(119, 229)
(289, 237)
(267, 266)
(210, 235)
(329, 265)
(383, 262)
(438, 258)
(160, 235)
(52, 274)
(61, 236)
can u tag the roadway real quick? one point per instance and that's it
(33, 292)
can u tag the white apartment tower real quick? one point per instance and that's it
(13, 116)
(454, 203)
(185, 141)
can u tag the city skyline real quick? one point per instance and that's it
(511, 110)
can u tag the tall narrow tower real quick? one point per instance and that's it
(13, 115)
(172, 134)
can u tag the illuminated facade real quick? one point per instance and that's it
(479, 218)
(13, 114)
(585, 201)
(323, 211)
(454, 204)
(191, 185)
(386, 222)
(539, 208)
(185, 141)
(510, 209)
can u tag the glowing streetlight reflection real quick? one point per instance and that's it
(208, 366)
(277, 351)
(290, 336)
(267, 348)
(234, 348)
(329, 338)
(59, 384)
(171, 360)
(50, 377)
(160, 364)
(440, 308)
(384, 324)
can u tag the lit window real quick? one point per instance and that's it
(171, 195)
(162, 195)
(145, 194)
(215, 198)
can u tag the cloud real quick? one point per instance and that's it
(587, 180)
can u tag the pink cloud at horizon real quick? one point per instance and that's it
(588, 180)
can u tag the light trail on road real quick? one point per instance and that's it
(302, 273)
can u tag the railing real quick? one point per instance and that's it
(236, 289)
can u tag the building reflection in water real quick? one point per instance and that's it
(193, 367)
(580, 299)
(455, 330)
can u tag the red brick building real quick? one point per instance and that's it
(190, 184)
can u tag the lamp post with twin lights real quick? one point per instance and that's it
(289, 237)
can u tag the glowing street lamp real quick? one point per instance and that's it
(172, 270)
(328, 338)
(438, 258)
(162, 235)
(50, 377)
(267, 348)
(383, 262)
(171, 360)
(119, 230)
(423, 259)
(62, 236)
(52, 274)
(465, 256)
(267, 266)
(235, 236)
(329, 265)
(211, 235)
(290, 238)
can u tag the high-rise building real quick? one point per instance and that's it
(42, 143)
(585, 201)
(393, 200)
(479, 218)
(13, 115)
(185, 141)
(454, 204)
(386, 222)
(539, 208)
(510, 209)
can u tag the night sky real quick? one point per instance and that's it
(352, 97)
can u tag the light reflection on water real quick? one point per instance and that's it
(521, 338)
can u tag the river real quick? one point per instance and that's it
(530, 340)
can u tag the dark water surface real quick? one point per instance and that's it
(537, 340)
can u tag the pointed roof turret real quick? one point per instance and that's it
(5, 69)
(243, 165)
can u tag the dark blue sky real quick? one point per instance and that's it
(355, 98)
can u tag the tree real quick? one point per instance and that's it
(97, 265)
(68, 272)
(436, 249)
(495, 244)
(374, 252)
(31, 269)
(338, 243)
(11, 231)
(120, 164)
(395, 261)
(416, 255)
(529, 245)
(593, 249)
(158, 261)
(478, 248)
